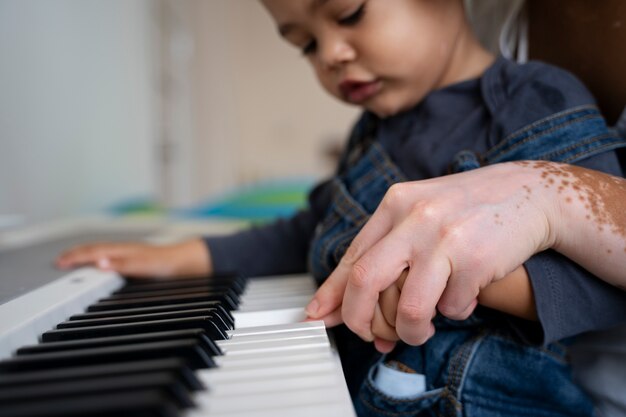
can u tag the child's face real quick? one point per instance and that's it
(383, 55)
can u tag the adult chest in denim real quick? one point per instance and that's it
(355, 195)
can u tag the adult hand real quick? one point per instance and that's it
(454, 234)
(186, 259)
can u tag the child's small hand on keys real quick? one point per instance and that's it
(186, 259)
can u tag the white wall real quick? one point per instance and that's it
(77, 93)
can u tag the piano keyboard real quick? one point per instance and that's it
(90, 344)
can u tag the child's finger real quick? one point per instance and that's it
(131, 266)
(422, 290)
(388, 301)
(380, 328)
(104, 264)
(81, 255)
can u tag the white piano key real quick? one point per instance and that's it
(242, 388)
(274, 358)
(283, 288)
(273, 345)
(254, 342)
(281, 280)
(269, 400)
(268, 290)
(326, 409)
(260, 374)
(281, 328)
(236, 337)
(257, 318)
(273, 303)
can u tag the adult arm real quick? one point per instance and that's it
(459, 233)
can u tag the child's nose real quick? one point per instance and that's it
(336, 52)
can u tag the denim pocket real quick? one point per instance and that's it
(393, 389)
(394, 380)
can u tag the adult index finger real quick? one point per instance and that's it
(375, 271)
(330, 295)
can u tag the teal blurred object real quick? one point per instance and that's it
(258, 203)
(139, 206)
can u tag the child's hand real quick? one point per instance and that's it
(384, 321)
(186, 259)
(512, 295)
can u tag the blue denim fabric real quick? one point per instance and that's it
(472, 367)
(356, 194)
(476, 368)
(567, 137)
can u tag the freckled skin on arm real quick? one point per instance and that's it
(592, 205)
(588, 217)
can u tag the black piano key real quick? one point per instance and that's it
(161, 381)
(175, 366)
(238, 283)
(209, 346)
(227, 298)
(168, 292)
(147, 403)
(188, 349)
(156, 309)
(138, 317)
(208, 323)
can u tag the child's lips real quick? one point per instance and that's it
(359, 91)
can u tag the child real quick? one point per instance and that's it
(434, 99)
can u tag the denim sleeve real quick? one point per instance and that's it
(277, 248)
(569, 299)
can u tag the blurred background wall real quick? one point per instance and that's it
(104, 101)
(77, 105)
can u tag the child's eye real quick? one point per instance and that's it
(354, 17)
(309, 48)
